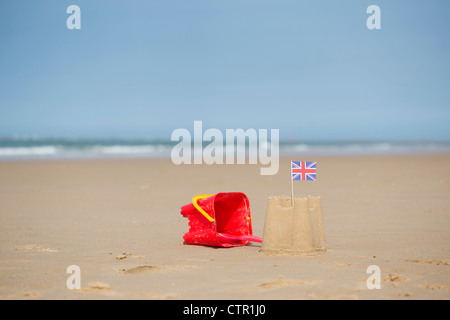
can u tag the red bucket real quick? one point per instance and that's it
(220, 220)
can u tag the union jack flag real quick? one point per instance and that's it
(303, 170)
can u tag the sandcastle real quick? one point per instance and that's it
(294, 230)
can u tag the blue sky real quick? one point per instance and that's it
(144, 68)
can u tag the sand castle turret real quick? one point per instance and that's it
(294, 230)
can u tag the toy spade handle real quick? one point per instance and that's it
(229, 237)
(194, 202)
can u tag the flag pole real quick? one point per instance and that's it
(292, 188)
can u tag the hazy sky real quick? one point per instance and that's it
(142, 68)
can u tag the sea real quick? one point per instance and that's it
(34, 148)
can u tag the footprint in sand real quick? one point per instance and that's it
(149, 269)
(125, 255)
(404, 294)
(139, 270)
(431, 261)
(341, 265)
(394, 279)
(99, 288)
(281, 283)
(22, 294)
(333, 297)
(33, 247)
(436, 286)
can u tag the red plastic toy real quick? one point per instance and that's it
(220, 220)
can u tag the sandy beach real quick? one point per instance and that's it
(120, 222)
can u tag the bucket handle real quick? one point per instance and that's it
(194, 202)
